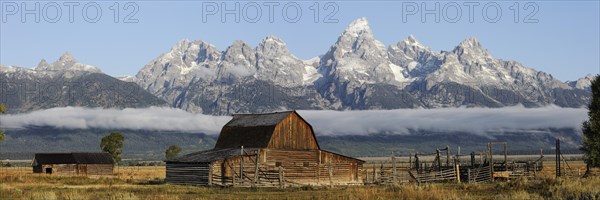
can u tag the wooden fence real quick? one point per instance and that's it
(479, 174)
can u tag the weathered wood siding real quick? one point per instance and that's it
(187, 173)
(61, 169)
(76, 169)
(293, 133)
(298, 166)
(303, 167)
(344, 170)
(95, 169)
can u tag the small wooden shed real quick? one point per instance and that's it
(272, 149)
(73, 163)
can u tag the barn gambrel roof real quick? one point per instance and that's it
(252, 130)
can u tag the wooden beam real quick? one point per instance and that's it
(457, 171)
(329, 169)
(447, 156)
(256, 169)
(439, 161)
(210, 174)
(242, 165)
(393, 167)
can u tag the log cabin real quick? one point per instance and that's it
(272, 149)
(73, 163)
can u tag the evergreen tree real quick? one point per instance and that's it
(591, 128)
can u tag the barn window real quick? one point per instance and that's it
(277, 164)
(305, 164)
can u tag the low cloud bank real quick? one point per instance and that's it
(153, 118)
(472, 120)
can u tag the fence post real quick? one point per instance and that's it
(242, 165)
(330, 174)
(210, 172)
(256, 169)
(439, 161)
(457, 170)
(417, 164)
(558, 158)
(319, 165)
(280, 177)
(535, 169)
(374, 173)
(458, 155)
(472, 159)
(366, 175)
(393, 167)
(541, 159)
(469, 175)
(447, 156)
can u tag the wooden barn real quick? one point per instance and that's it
(273, 149)
(73, 163)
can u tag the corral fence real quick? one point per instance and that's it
(445, 167)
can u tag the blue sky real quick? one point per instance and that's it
(564, 41)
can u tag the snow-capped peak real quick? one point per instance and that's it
(67, 57)
(272, 39)
(43, 63)
(582, 83)
(472, 47)
(357, 37)
(272, 46)
(65, 63)
(470, 43)
(412, 41)
(126, 78)
(358, 27)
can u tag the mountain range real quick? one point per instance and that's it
(356, 72)
(67, 82)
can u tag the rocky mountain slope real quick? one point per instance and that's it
(357, 72)
(67, 82)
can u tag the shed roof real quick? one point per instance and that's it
(209, 155)
(73, 158)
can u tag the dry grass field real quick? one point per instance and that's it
(147, 183)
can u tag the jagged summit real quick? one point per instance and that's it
(272, 39)
(412, 41)
(470, 43)
(66, 58)
(65, 63)
(43, 63)
(357, 72)
(583, 83)
(358, 27)
(471, 47)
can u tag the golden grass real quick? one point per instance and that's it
(146, 183)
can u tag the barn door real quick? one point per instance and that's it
(354, 171)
